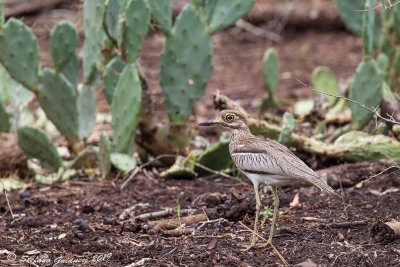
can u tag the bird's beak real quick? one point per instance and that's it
(208, 123)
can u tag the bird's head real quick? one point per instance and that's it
(229, 119)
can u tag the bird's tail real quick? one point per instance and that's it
(319, 182)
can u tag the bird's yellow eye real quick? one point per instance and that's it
(229, 117)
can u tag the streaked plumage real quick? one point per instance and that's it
(263, 160)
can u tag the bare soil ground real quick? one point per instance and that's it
(77, 223)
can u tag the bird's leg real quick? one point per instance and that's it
(276, 206)
(258, 205)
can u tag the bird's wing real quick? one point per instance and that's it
(270, 157)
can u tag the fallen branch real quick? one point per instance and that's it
(257, 31)
(160, 214)
(385, 233)
(178, 232)
(18, 7)
(345, 224)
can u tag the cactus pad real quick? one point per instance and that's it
(1, 14)
(186, 65)
(104, 154)
(71, 70)
(366, 89)
(216, 157)
(270, 70)
(19, 53)
(110, 20)
(125, 108)
(226, 12)
(63, 42)
(93, 13)
(122, 162)
(161, 12)
(325, 81)
(58, 99)
(37, 144)
(289, 122)
(112, 72)
(87, 110)
(137, 21)
(4, 119)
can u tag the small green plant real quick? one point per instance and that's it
(270, 73)
(266, 213)
(178, 212)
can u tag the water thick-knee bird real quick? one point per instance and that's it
(263, 161)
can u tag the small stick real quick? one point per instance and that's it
(178, 232)
(173, 223)
(161, 213)
(257, 31)
(9, 206)
(345, 224)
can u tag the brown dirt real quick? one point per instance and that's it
(53, 210)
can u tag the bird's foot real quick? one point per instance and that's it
(261, 245)
(247, 248)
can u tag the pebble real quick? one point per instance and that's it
(108, 221)
(25, 194)
(194, 225)
(78, 221)
(306, 264)
(20, 250)
(84, 226)
(51, 235)
(31, 222)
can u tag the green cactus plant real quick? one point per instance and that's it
(4, 119)
(368, 27)
(1, 14)
(366, 89)
(289, 122)
(186, 66)
(216, 157)
(110, 20)
(324, 80)
(105, 148)
(161, 12)
(93, 13)
(270, 73)
(137, 21)
(86, 107)
(71, 70)
(63, 43)
(37, 144)
(59, 100)
(19, 53)
(125, 108)
(112, 72)
(122, 162)
(226, 12)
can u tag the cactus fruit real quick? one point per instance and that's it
(325, 81)
(58, 99)
(161, 12)
(110, 20)
(137, 21)
(71, 70)
(289, 122)
(104, 154)
(63, 42)
(37, 144)
(122, 162)
(112, 72)
(93, 13)
(125, 108)
(216, 157)
(226, 12)
(86, 103)
(4, 119)
(186, 65)
(366, 89)
(19, 53)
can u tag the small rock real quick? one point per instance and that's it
(340, 236)
(194, 225)
(50, 235)
(101, 240)
(166, 255)
(368, 206)
(59, 222)
(108, 221)
(78, 221)
(306, 264)
(20, 250)
(87, 209)
(84, 226)
(31, 222)
(25, 194)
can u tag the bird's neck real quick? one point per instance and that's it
(241, 132)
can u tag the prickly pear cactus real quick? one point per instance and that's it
(137, 21)
(19, 53)
(4, 119)
(270, 72)
(161, 12)
(37, 144)
(226, 12)
(104, 154)
(1, 14)
(63, 43)
(71, 70)
(289, 122)
(112, 72)
(125, 108)
(58, 99)
(366, 89)
(216, 157)
(110, 20)
(122, 161)
(325, 81)
(86, 103)
(186, 67)
(368, 26)
(93, 13)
